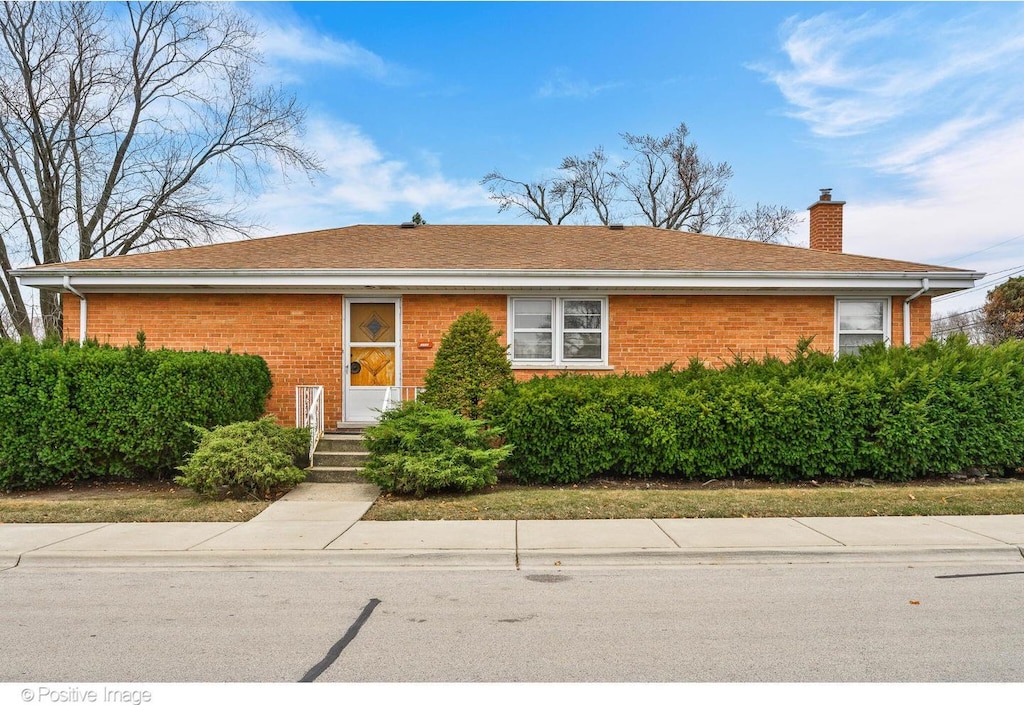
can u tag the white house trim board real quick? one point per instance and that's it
(368, 281)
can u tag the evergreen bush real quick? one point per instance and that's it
(889, 413)
(470, 364)
(89, 411)
(416, 449)
(245, 459)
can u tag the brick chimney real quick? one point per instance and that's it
(827, 223)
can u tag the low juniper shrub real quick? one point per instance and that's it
(246, 459)
(416, 449)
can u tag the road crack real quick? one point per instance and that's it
(335, 651)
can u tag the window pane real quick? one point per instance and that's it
(581, 346)
(531, 314)
(531, 346)
(861, 315)
(852, 342)
(581, 315)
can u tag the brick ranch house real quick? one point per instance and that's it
(361, 309)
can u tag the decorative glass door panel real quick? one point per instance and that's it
(371, 323)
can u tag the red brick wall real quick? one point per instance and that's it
(920, 320)
(427, 317)
(826, 227)
(300, 336)
(645, 332)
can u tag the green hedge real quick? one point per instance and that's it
(890, 414)
(78, 412)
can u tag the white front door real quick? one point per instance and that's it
(373, 355)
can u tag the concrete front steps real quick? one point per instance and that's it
(337, 458)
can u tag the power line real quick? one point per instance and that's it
(992, 247)
(957, 313)
(1018, 270)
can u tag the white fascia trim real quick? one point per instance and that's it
(505, 280)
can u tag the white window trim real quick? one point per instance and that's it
(557, 362)
(886, 318)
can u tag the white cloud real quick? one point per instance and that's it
(848, 76)
(361, 184)
(966, 199)
(917, 149)
(298, 45)
(562, 84)
(935, 102)
(289, 46)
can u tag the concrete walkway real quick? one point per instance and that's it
(319, 525)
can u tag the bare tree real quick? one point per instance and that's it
(764, 223)
(118, 127)
(549, 200)
(595, 183)
(671, 183)
(970, 323)
(664, 182)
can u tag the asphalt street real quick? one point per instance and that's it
(885, 622)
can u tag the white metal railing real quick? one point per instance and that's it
(396, 396)
(309, 413)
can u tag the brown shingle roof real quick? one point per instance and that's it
(499, 247)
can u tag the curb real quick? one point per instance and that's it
(269, 559)
(505, 558)
(548, 558)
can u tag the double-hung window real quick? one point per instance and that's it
(561, 331)
(861, 322)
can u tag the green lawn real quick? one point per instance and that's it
(121, 501)
(156, 501)
(620, 500)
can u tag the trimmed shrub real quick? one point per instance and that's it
(889, 413)
(248, 458)
(416, 449)
(470, 364)
(91, 411)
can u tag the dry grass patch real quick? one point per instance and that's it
(638, 500)
(121, 502)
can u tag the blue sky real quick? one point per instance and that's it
(912, 113)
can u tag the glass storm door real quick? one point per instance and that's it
(372, 355)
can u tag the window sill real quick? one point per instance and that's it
(552, 366)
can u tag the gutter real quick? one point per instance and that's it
(44, 273)
(83, 315)
(906, 310)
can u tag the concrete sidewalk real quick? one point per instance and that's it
(319, 525)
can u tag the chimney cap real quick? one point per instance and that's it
(826, 197)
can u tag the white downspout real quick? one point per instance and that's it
(906, 310)
(83, 308)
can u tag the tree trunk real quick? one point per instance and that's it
(53, 314)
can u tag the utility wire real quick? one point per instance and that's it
(946, 297)
(991, 247)
(957, 313)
